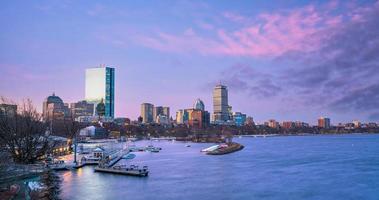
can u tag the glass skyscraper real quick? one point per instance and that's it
(220, 104)
(100, 86)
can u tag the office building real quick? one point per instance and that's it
(324, 122)
(54, 109)
(199, 105)
(81, 108)
(220, 104)
(147, 112)
(99, 85)
(239, 118)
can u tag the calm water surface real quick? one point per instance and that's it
(298, 167)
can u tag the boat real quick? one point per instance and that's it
(214, 147)
(153, 149)
(55, 164)
(132, 170)
(188, 145)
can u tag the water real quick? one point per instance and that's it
(298, 167)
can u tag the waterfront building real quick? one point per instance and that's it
(122, 121)
(220, 104)
(162, 119)
(357, 124)
(179, 116)
(81, 108)
(249, 121)
(99, 85)
(53, 108)
(198, 118)
(288, 124)
(273, 123)
(199, 105)
(239, 118)
(8, 110)
(300, 124)
(147, 112)
(324, 122)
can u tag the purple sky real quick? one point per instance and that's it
(287, 60)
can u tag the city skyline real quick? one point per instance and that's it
(187, 55)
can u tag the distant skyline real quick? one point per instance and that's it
(282, 60)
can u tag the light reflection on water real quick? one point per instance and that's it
(303, 167)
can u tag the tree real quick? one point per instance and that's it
(23, 134)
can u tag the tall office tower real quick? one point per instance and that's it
(157, 110)
(147, 112)
(324, 122)
(166, 111)
(220, 104)
(100, 86)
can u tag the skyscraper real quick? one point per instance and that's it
(160, 110)
(220, 103)
(324, 122)
(199, 104)
(100, 85)
(147, 112)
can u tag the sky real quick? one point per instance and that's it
(283, 60)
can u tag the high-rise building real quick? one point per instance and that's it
(324, 122)
(81, 108)
(147, 112)
(288, 124)
(179, 116)
(100, 86)
(220, 104)
(239, 118)
(160, 110)
(166, 111)
(273, 123)
(199, 104)
(54, 109)
(198, 118)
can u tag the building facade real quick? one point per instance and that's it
(199, 104)
(220, 104)
(81, 109)
(324, 122)
(53, 108)
(239, 118)
(100, 86)
(147, 112)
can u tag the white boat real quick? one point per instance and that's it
(55, 164)
(188, 145)
(214, 147)
(153, 149)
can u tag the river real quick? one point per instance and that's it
(292, 167)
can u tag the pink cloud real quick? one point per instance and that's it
(268, 34)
